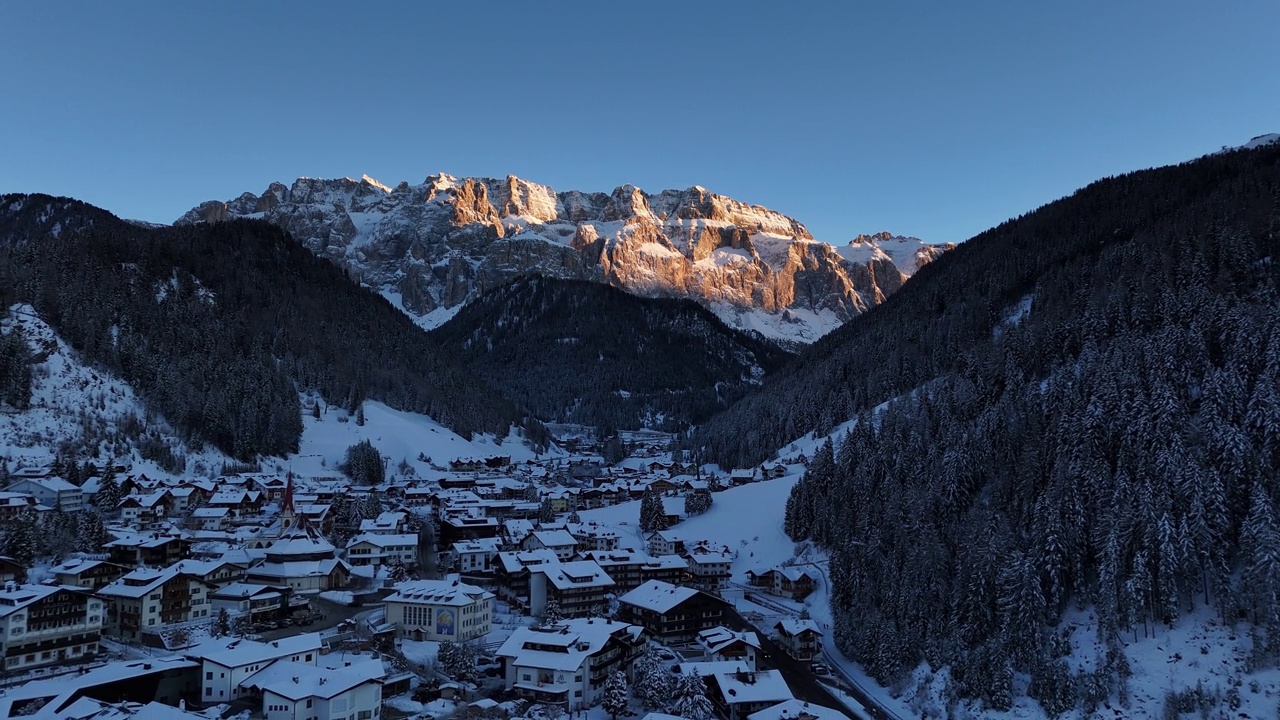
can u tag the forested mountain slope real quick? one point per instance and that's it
(943, 320)
(583, 352)
(1114, 443)
(218, 327)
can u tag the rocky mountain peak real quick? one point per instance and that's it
(431, 247)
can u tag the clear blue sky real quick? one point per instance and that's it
(936, 119)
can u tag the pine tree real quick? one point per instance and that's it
(363, 464)
(691, 701)
(22, 539)
(616, 695)
(653, 514)
(221, 624)
(546, 512)
(552, 613)
(654, 683)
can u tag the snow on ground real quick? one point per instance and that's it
(71, 401)
(398, 435)
(790, 326)
(748, 519)
(74, 405)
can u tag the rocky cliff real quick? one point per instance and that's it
(430, 247)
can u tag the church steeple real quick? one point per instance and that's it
(287, 515)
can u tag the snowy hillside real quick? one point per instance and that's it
(88, 414)
(428, 248)
(82, 412)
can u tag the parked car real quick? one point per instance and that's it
(820, 669)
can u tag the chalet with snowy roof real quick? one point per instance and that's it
(378, 550)
(742, 477)
(12, 504)
(258, 603)
(709, 566)
(52, 491)
(720, 643)
(559, 542)
(218, 572)
(242, 503)
(593, 536)
(47, 624)
(88, 574)
(447, 609)
(419, 497)
(736, 695)
(297, 690)
(769, 471)
(579, 588)
(665, 542)
(182, 500)
(800, 638)
(225, 664)
(145, 601)
(514, 532)
(630, 568)
(209, 518)
(145, 511)
(672, 613)
(568, 664)
(475, 557)
(150, 550)
(512, 570)
(387, 523)
(784, 581)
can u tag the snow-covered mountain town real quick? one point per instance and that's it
(417, 589)
(613, 401)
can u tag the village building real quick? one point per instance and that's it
(378, 550)
(800, 638)
(257, 603)
(48, 624)
(569, 663)
(512, 571)
(789, 582)
(579, 588)
(292, 690)
(671, 613)
(440, 610)
(146, 600)
(736, 695)
(224, 664)
(559, 542)
(475, 557)
(53, 492)
(88, 574)
(720, 643)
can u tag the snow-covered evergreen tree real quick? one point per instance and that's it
(691, 701)
(616, 695)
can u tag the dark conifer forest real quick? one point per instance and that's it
(583, 352)
(219, 326)
(1115, 447)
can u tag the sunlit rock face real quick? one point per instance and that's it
(431, 247)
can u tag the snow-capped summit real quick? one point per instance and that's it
(431, 247)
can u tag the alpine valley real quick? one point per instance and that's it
(508, 452)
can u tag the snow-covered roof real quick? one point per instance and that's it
(555, 538)
(794, 709)
(717, 638)
(712, 667)
(564, 646)
(753, 687)
(23, 595)
(297, 568)
(383, 541)
(238, 653)
(210, 512)
(657, 596)
(245, 590)
(449, 591)
(577, 574)
(295, 681)
(139, 582)
(795, 626)
(513, 561)
(481, 545)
